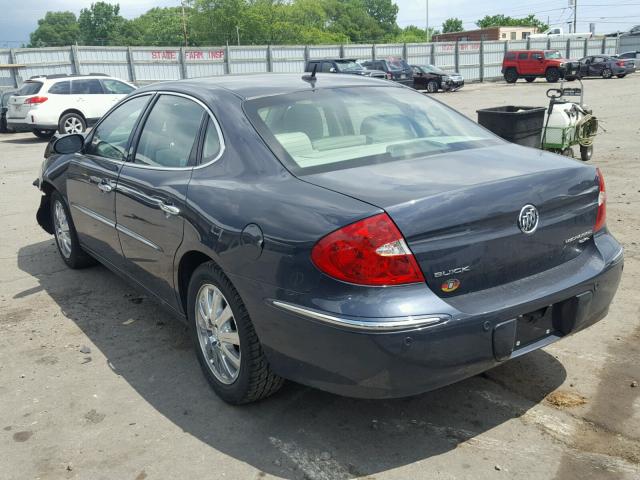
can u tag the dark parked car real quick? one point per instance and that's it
(270, 215)
(605, 66)
(4, 102)
(342, 65)
(396, 69)
(432, 79)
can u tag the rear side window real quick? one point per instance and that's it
(61, 88)
(211, 146)
(523, 56)
(114, 87)
(510, 56)
(29, 88)
(111, 137)
(86, 87)
(169, 133)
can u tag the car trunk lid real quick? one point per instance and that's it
(459, 214)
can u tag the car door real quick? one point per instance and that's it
(537, 63)
(92, 176)
(90, 98)
(152, 190)
(596, 66)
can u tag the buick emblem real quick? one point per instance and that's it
(528, 219)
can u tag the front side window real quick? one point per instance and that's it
(336, 128)
(348, 66)
(326, 67)
(115, 87)
(86, 87)
(169, 133)
(111, 137)
(61, 88)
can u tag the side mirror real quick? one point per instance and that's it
(332, 70)
(71, 143)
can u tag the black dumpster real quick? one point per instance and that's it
(521, 125)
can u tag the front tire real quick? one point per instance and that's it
(511, 76)
(226, 344)
(607, 73)
(72, 123)
(586, 153)
(65, 234)
(552, 75)
(432, 86)
(44, 134)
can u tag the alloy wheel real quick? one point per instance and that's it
(63, 234)
(73, 125)
(218, 334)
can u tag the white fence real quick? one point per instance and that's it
(476, 61)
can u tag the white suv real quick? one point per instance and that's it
(67, 103)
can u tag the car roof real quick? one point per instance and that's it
(262, 85)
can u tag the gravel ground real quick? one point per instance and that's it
(98, 382)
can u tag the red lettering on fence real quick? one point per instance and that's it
(164, 55)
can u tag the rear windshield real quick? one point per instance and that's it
(330, 129)
(29, 88)
(552, 54)
(397, 64)
(348, 66)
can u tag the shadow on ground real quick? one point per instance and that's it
(299, 432)
(6, 138)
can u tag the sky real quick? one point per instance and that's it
(20, 17)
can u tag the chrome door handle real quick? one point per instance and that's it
(169, 209)
(105, 187)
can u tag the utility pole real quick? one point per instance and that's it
(238, 34)
(575, 14)
(184, 26)
(427, 18)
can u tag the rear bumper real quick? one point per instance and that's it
(373, 360)
(20, 125)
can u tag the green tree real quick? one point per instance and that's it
(452, 25)
(413, 34)
(385, 13)
(158, 27)
(101, 24)
(55, 29)
(505, 21)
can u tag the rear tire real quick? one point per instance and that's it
(72, 123)
(511, 76)
(432, 86)
(622, 75)
(607, 73)
(586, 153)
(552, 75)
(238, 372)
(44, 134)
(65, 234)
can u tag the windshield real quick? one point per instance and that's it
(325, 130)
(348, 66)
(552, 54)
(432, 69)
(29, 88)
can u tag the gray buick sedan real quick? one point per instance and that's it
(339, 231)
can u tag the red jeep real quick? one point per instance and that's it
(531, 64)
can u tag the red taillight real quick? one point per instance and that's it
(35, 100)
(601, 218)
(389, 76)
(620, 64)
(368, 252)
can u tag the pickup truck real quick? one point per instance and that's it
(558, 33)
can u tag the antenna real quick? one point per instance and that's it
(311, 78)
